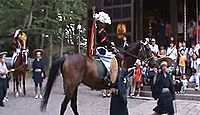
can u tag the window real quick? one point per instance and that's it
(107, 2)
(117, 2)
(126, 1)
(126, 12)
(116, 13)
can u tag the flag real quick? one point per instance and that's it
(91, 45)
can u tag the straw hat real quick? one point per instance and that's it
(38, 50)
(164, 61)
(2, 53)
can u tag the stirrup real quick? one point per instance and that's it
(107, 80)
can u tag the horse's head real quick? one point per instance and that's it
(146, 54)
(141, 50)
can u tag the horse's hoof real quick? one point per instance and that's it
(20, 90)
(17, 94)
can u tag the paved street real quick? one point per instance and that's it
(89, 103)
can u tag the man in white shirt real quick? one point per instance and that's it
(154, 47)
(172, 52)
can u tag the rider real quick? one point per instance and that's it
(19, 44)
(103, 45)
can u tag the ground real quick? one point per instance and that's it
(89, 103)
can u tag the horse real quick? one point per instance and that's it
(19, 74)
(78, 68)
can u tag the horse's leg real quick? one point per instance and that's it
(20, 83)
(74, 102)
(17, 86)
(64, 104)
(14, 80)
(24, 83)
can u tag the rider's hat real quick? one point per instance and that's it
(165, 61)
(38, 50)
(2, 53)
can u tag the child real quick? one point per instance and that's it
(38, 72)
(162, 53)
(182, 61)
(177, 80)
(185, 84)
(137, 78)
(3, 81)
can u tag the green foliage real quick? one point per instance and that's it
(44, 19)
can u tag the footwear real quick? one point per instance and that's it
(138, 95)
(36, 96)
(104, 95)
(1, 104)
(107, 80)
(40, 96)
(132, 94)
(6, 99)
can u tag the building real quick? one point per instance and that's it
(142, 17)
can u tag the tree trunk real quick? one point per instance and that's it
(42, 41)
(50, 50)
(61, 42)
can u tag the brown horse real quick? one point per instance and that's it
(19, 74)
(78, 68)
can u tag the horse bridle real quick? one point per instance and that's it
(19, 67)
(142, 52)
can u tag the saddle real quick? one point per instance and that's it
(102, 71)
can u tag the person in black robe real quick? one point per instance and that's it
(118, 105)
(38, 67)
(163, 90)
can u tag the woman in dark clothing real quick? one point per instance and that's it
(164, 91)
(38, 66)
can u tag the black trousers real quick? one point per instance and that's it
(3, 87)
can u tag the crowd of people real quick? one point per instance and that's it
(184, 69)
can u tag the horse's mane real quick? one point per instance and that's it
(134, 46)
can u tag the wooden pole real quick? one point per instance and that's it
(197, 19)
(185, 20)
(95, 41)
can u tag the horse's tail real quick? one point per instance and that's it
(53, 73)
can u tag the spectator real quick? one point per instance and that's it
(195, 77)
(177, 80)
(185, 49)
(172, 53)
(182, 61)
(137, 78)
(191, 51)
(162, 53)
(190, 32)
(125, 43)
(185, 84)
(154, 47)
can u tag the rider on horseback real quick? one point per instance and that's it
(104, 47)
(19, 45)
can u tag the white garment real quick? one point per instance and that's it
(154, 48)
(193, 64)
(195, 78)
(3, 70)
(172, 53)
(106, 59)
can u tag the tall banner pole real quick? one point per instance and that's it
(197, 19)
(185, 20)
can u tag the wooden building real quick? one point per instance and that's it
(141, 17)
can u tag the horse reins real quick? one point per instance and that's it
(15, 69)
